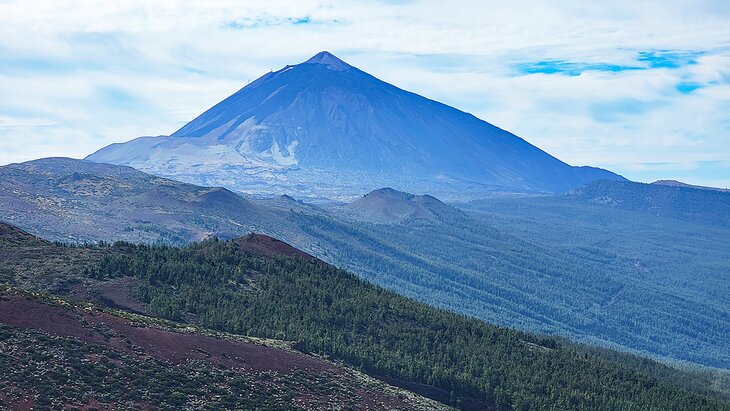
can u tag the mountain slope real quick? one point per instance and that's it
(682, 202)
(64, 354)
(220, 285)
(75, 200)
(567, 265)
(326, 129)
(650, 267)
(595, 272)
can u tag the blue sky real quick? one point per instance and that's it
(641, 88)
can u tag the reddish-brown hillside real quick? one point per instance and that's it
(269, 247)
(114, 360)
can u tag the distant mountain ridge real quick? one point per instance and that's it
(675, 183)
(325, 129)
(671, 200)
(79, 201)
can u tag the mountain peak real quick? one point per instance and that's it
(329, 60)
(323, 129)
(390, 193)
(387, 205)
(264, 245)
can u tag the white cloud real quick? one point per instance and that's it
(104, 71)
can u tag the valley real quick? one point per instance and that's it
(566, 265)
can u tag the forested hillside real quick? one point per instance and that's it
(224, 285)
(555, 265)
(681, 202)
(634, 266)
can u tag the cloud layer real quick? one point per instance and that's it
(641, 88)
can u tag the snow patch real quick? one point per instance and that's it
(287, 158)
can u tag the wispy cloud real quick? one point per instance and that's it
(270, 21)
(9, 122)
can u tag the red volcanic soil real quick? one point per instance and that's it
(269, 247)
(90, 326)
(176, 347)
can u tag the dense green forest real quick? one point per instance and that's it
(698, 205)
(559, 265)
(331, 312)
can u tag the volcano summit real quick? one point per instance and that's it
(325, 129)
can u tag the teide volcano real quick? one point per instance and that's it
(323, 128)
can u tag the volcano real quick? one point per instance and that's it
(325, 129)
